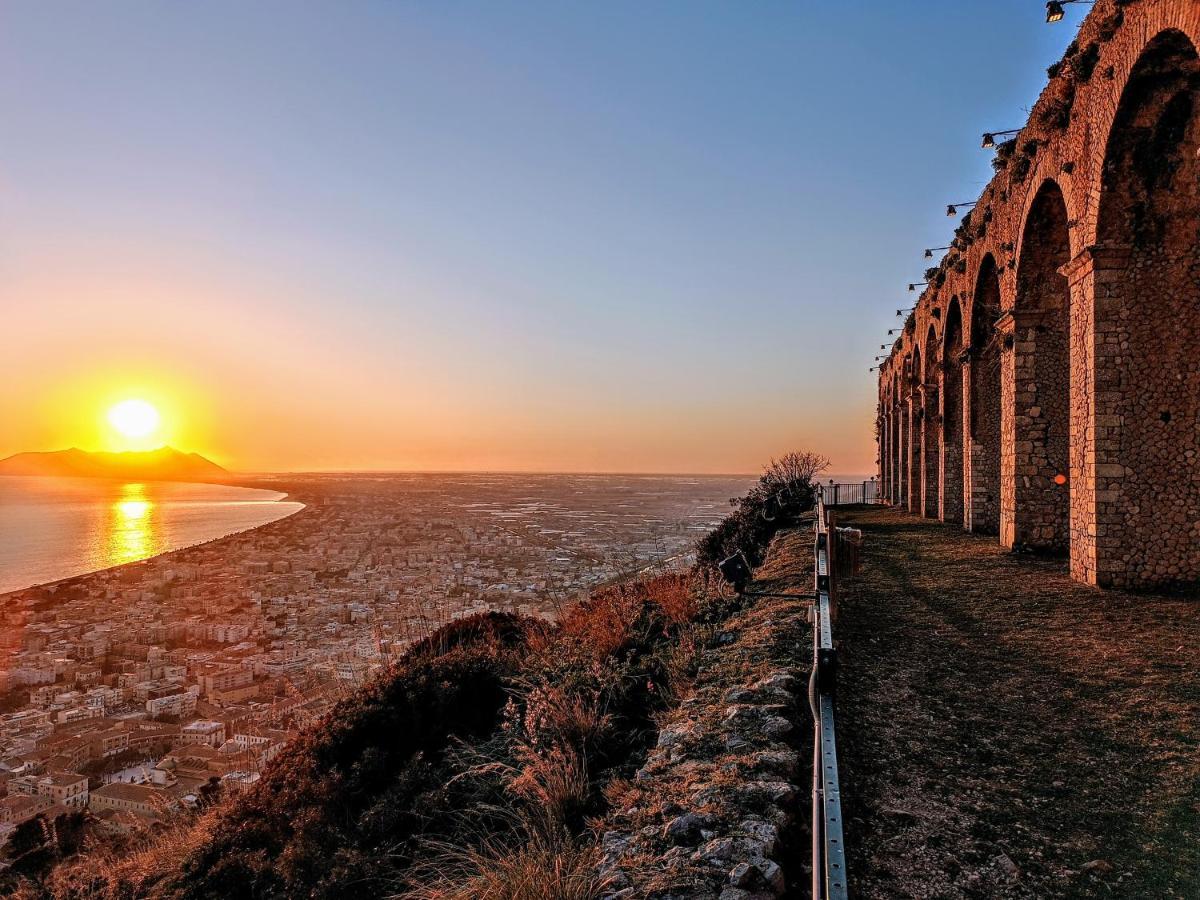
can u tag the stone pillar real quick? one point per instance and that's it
(902, 467)
(950, 470)
(930, 446)
(1034, 432)
(1097, 278)
(913, 472)
(1009, 403)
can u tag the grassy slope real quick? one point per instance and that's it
(991, 709)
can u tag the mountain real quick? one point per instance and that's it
(163, 464)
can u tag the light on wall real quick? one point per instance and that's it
(929, 251)
(989, 137)
(952, 209)
(1055, 9)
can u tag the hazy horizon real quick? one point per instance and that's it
(481, 238)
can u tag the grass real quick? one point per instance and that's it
(991, 709)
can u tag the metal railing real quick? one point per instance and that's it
(829, 852)
(848, 493)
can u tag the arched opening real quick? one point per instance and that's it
(905, 431)
(895, 444)
(916, 468)
(952, 417)
(1147, 325)
(932, 421)
(1036, 490)
(983, 497)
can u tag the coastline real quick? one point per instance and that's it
(67, 580)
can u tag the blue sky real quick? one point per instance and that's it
(638, 236)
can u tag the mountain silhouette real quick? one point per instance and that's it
(163, 464)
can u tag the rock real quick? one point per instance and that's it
(779, 681)
(684, 829)
(742, 875)
(1097, 865)
(766, 834)
(716, 852)
(732, 893)
(780, 793)
(1007, 866)
(673, 734)
(776, 727)
(772, 874)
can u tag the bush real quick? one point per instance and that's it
(784, 491)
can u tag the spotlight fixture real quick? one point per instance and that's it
(912, 287)
(989, 137)
(892, 331)
(1055, 10)
(952, 209)
(929, 251)
(901, 312)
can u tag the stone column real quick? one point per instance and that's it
(930, 447)
(1097, 278)
(914, 455)
(1009, 451)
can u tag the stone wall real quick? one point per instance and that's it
(1067, 313)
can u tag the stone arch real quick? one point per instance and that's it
(905, 461)
(1036, 413)
(896, 445)
(982, 513)
(932, 422)
(1145, 278)
(951, 475)
(916, 456)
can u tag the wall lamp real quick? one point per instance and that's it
(912, 287)
(892, 331)
(929, 251)
(989, 137)
(952, 209)
(1055, 11)
(901, 312)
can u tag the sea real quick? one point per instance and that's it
(54, 528)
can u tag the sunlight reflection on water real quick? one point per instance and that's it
(133, 533)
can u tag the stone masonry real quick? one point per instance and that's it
(1047, 386)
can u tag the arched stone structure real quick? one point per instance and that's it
(1074, 289)
(916, 460)
(932, 425)
(953, 433)
(1036, 399)
(982, 373)
(1147, 325)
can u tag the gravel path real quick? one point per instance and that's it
(1005, 732)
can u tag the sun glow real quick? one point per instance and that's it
(134, 419)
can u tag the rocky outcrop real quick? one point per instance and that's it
(720, 802)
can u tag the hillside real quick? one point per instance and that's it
(163, 464)
(487, 761)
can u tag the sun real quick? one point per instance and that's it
(134, 419)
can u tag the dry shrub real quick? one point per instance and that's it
(540, 867)
(555, 784)
(604, 622)
(110, 871)
(554, 717)
(675, 596)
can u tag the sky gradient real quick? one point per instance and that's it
(510, 236)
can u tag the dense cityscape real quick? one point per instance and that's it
(136, 692)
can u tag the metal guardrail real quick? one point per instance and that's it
(848, 493)
(829, 852)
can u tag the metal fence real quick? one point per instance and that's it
(848, 493)
(829, 853)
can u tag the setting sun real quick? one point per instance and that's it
(134, 419)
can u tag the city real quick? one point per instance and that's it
(136, 692)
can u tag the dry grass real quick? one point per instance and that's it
(996, 717)
(539, 868)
